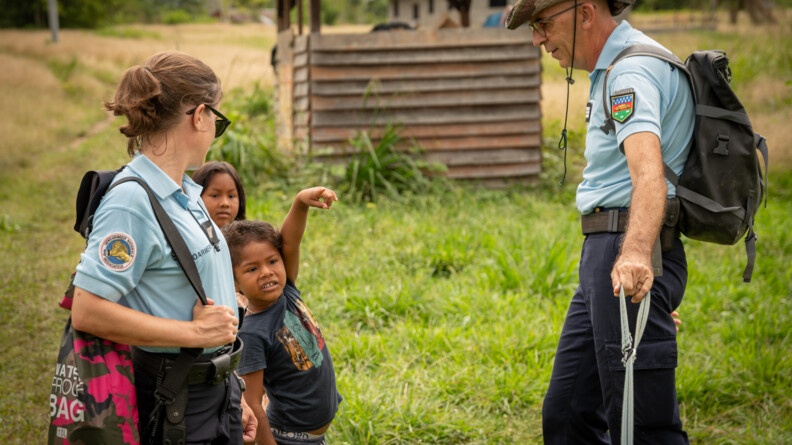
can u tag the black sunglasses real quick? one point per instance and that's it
(221, 123)
(539, 25)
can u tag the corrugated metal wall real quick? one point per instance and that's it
(469, 97)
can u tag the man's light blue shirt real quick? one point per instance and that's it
(663, 105)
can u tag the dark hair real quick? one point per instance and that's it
(204, 175)
(152, 96)
(239, 234)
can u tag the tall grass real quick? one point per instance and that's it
(441, 311)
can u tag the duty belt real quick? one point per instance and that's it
(611, 220)
(615, 220)
(211, 368)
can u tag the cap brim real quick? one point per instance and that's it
(520, 13)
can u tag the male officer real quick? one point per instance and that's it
(622, 201)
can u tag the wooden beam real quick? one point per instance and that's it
(519, 39)
(449, 146)
(424, 71)
(424, 116)
(393, 86)
(427, 100)
(414, 56)
(516, 127)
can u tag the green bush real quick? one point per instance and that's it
(176, 17)
(249, 143)
(383, 170)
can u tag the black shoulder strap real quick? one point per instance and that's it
(174, 380)
(630, 51)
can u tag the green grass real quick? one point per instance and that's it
(442, 312)
(464, 356)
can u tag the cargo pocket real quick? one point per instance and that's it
(654, 386)
(653, 353)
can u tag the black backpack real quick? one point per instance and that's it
(93, 187)
(722, 186)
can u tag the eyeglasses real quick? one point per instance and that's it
(221, 123)
(540, 25)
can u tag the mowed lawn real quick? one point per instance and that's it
(442, 312)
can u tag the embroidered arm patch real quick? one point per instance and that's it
(117, 251)
(622, 105)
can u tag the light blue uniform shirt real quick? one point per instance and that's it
(663, 105)
(128, 259)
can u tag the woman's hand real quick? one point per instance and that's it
(214, 325)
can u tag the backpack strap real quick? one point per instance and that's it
(701, 110)
(751, 237)
(630, 51)
(171, 392)
(698, 199)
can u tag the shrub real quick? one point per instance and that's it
(176, 17)
(383, 170)
(249, 143)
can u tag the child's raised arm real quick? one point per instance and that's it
(294, 225)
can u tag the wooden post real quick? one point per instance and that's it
(316, 16)
(284, 14)
(54, 24)
(299, 17)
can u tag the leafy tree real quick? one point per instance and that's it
(17, 14)
(93, 13)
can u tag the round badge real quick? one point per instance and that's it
(117, 251)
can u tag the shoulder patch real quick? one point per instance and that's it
(117, 251)
(622, 105)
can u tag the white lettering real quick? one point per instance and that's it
(71, 410)
(66, 371)
(69, 387)
(63, 409)
(77, 411)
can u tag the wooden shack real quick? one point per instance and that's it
(468, 97)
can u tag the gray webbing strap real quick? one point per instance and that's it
(722, 113)
(629, 350)
(700, 200)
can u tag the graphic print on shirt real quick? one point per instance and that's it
(301, 337)
(117, 251)
(622, 104)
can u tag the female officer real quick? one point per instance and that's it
(129, 288)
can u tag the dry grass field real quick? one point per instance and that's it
(53, 93)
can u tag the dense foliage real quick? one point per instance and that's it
(98, 13)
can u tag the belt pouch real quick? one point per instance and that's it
(669, 231)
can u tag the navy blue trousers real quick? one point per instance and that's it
(214, 413)
(583, 404)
